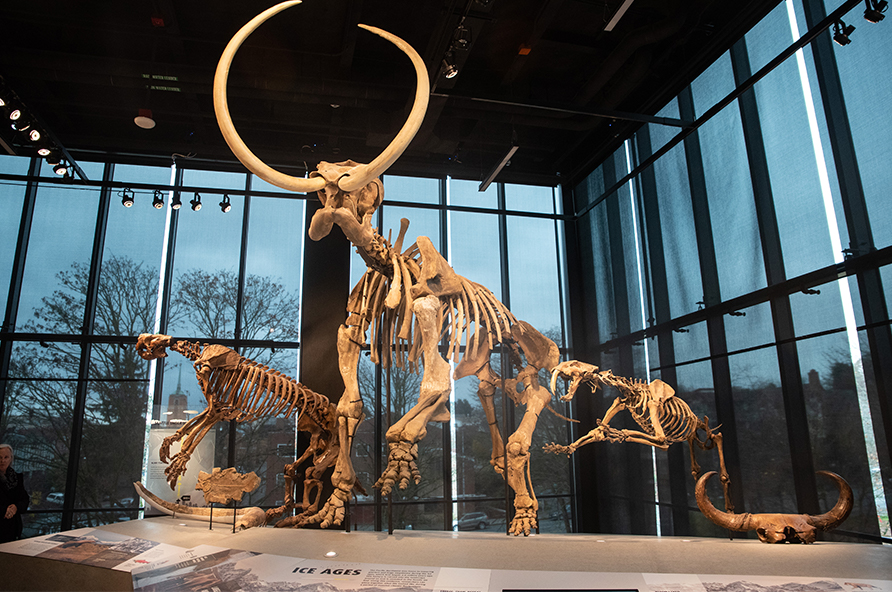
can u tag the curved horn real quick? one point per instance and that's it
(739, 522)
(362, 174)
(840, 511)
(221, 108)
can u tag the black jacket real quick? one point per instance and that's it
(11, 529)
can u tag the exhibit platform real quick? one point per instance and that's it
(546, 561)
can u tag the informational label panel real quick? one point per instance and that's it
(202, 460)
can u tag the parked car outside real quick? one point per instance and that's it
(56, 498)
(473, 521)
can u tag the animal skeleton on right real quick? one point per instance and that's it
(663, 417)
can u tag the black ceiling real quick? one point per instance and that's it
(309, 85)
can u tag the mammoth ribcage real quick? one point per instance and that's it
(394, 338)
(677, 419)
(252, 390)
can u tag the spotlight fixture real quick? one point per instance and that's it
(61, 169)
(34, 135)
(53, 157)
(175, 203)
(449, 68)
(225, 206)
(44, 151)
(841, 32)
(20, 121)
(875, 9)
(127, 197)
(158, 200)
(196, 203)
(461, 38)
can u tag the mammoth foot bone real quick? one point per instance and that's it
(524, 520)
(401, 467)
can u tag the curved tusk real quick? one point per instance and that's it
(363, 174)
(738, 522)
(840, 511)
(221, 108)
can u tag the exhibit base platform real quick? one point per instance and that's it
(543, 562)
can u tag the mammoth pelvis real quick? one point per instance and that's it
(779, 528)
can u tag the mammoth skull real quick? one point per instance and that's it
(779, 528)
(349, 191)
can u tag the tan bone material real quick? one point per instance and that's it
(780, 528)
(664, 418)
(239, 389)
(399, 288)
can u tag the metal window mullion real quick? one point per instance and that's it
(618, 258)
(652, 229)
(795, 409)
(239, 303)
(80, 397)
(715, 325)
(582, 344)
(166, 289)
(449, 496)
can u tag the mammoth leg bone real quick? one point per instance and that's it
(525, 504)
(486, 389)
(404, 435)
(349, 416)
(713, 440)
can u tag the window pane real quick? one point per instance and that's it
(474, 249)
(115, 412)
(131, 260)
(527, 198)
(466, 193)
(533, 274)
(835, 427)
(411, 189)
(271, 308)
(206, 261)
(759, 412)
(12, 198)
(57, 266)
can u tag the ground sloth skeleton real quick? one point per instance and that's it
(240, 389)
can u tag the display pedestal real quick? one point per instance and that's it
(535, 562)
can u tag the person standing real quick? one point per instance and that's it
(13, 497)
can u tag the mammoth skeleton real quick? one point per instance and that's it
(780, 528)
(409, 299)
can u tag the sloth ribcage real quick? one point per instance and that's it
(250, 390)
(678, 421)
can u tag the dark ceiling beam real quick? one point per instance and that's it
(544, 20)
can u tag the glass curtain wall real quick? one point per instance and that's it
(83, 276)
(764, 244)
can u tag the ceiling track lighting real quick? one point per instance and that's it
(35, 135)
(196, 203)
(841, 32)
(127, 197)
(449, 69)
(225, 205)
(461, 38)
(175, 203)
(875, 9)
(157, 200)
